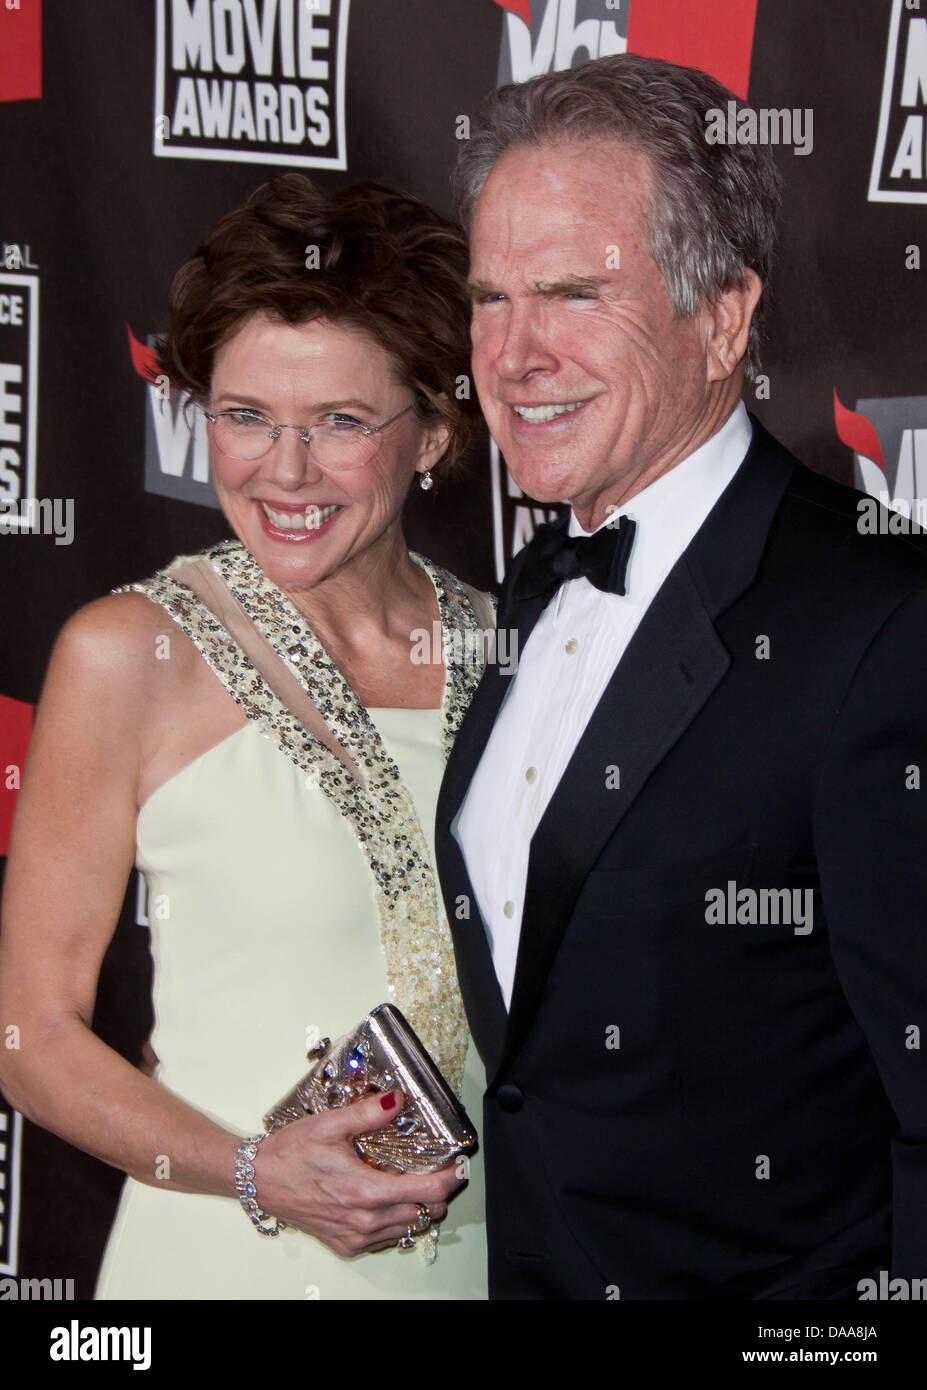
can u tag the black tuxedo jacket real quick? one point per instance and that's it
(685, 1107)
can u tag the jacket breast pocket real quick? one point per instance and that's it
(617, 891)
(635, 936)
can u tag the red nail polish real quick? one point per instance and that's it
(389, 1102)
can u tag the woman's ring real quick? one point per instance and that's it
(424, 1219)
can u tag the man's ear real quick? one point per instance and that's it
(729, 319)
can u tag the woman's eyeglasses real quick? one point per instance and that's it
(336, 443)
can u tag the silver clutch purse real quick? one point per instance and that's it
(381, 1053)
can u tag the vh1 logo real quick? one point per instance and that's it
(176, 443)
(547, 35)
(550, 35)
(177, 449)
(888, 436)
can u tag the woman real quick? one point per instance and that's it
(270, 760)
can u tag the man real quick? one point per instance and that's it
(683, 848)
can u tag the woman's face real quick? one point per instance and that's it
(300, 523)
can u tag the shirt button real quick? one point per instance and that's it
(509, 908)
(571, 646)
(531, 775)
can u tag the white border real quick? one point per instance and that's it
(877, 194)
(165, 149)
(32, 284)
(14, 1143)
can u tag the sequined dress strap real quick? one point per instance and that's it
(279, 678)
(272, 664)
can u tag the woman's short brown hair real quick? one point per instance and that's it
(369, 256)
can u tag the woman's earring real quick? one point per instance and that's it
(426, 481)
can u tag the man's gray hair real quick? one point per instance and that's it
(715, 205)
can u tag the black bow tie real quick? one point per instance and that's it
(553, 557)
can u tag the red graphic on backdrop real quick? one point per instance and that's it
(520, 7)
(716, 37)
(857, 433)
(15, 732)
(143, 358)
(21, 51)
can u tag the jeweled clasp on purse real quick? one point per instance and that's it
(381, 1054)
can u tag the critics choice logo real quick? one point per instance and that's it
(899, 173)
(11, 1138)
(261, 81)
(19, 368)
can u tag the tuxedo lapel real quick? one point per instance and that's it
(476, 975)
(671, 667)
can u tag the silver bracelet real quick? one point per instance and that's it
(247, 1192)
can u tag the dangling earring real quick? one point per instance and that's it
(426, 481)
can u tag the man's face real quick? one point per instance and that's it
(590, 384)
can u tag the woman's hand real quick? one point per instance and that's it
(309, 1175)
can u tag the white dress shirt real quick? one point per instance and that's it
(563, 670)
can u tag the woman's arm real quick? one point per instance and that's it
(102, 716)
(72, 850)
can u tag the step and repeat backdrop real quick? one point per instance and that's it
(127, 127)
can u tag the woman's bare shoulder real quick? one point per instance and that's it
(117, 617)
(125, 640)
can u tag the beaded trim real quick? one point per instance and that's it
(414, 933)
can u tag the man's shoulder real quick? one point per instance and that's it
(824, 524)
(834, 506)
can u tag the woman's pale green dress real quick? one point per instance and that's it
(289, 892)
